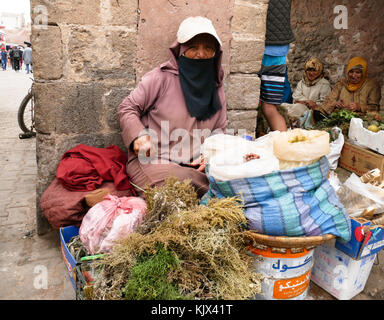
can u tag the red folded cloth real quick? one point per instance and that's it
(64, 208)
(85, 168)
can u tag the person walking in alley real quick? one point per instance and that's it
(21, 58)
(274, 68)
(4, 57)
(10, 54)
(10, 62)
(15, 56)
(27, 57)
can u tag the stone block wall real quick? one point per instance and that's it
(246, 52)
(83, 67)
(316, 35)
(92, 53)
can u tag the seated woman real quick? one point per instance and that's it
(175, 106)
(356, 92)
(309, 93)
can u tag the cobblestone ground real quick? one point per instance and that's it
(31, 267)
(28, 262)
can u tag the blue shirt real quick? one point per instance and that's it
(277, 51)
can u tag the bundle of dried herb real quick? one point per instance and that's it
(199, 253)
(161, 201)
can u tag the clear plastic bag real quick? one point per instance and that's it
(335, 148)
(111, 220)
(299, 147)
(358, 196)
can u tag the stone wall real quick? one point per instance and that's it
(313, 25)
(246, 52)
(83, 67)
(92, 53)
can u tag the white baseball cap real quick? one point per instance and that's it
(193, 26)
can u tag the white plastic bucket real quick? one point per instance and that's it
(286, 273)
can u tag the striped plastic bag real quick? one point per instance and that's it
(293, 202)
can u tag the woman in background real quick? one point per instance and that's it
(309, 94)
(355, 92)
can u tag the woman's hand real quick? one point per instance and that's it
(311, 104)
(341, 105)
(200, 163)
(353, 106)
(143, 145)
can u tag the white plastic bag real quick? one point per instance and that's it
(299, 147)
(219, 142)
(230, 164)
(366, 190)
(226, 156)
(334, 181)
(335, 148)
(266, 141)
(111, 220)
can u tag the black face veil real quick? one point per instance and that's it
(197, 79)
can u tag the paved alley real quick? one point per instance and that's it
(31, 267)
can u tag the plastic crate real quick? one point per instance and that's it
(66, 233)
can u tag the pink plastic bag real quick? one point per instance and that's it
(110, 220)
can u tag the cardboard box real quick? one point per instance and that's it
(366, 239)
(339, 274)
(360, 160)
(66, 234)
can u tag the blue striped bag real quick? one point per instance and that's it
(295, 202)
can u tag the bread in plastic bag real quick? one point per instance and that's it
(110, 220)
(299, 147)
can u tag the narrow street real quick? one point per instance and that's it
(31, 267)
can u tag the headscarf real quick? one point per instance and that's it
(357, 63)
(198, 82)
(313, 63)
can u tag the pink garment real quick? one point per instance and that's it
(159, 98)
(64, 208)
(155, 174)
